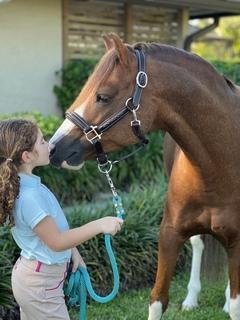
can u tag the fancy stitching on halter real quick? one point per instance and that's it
(94, 133)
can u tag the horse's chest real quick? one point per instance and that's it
(185, 181)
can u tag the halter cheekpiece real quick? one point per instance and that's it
(93, 133)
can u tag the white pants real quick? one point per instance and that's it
(38, 289)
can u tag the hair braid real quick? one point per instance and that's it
(16, 136)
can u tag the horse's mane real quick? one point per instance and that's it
(168, 52)
(177, 55)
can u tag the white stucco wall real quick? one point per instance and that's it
(30, 54)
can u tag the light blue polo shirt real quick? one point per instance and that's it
(35, 202)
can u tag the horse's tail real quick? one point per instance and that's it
(214, 261)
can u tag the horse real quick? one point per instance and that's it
(136, 89)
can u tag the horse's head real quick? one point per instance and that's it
(104, 95)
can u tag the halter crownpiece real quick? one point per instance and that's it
(93, 133)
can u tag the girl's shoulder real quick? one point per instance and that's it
(28, 195)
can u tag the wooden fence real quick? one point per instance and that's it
(85, 21)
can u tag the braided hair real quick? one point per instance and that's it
(16, 136)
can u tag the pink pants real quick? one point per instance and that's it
(38, 289)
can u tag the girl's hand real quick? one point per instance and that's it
(77, 260)
(110, 225)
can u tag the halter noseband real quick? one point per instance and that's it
(93, 133)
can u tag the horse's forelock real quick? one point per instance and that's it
(100, 74)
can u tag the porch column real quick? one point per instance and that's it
(183, 18)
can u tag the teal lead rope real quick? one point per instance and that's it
(79, 282)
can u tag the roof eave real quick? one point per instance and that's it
(213, 15)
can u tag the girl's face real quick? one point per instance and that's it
(40, 151)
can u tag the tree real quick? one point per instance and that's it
(221, 44)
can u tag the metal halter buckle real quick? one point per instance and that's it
(142, 73)
(127, 105)
(96, 135)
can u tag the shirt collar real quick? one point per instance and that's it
(29, 180)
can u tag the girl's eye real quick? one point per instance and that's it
(102, 98)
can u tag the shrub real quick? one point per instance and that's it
(229, 69)
(8, 254)
(73, 76)
(5, 284)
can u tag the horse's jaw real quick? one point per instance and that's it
(65, 165)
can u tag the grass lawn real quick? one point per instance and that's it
(134, 305)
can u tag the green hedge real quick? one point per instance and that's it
(8, 255)
(229, 69)
(73, 77)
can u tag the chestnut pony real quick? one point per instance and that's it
(200, 111)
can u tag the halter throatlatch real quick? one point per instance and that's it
(93, 133)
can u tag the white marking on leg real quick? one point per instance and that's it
(155, 311)
(235, 308)
(66, 126)
(227, 296)
(194, 285)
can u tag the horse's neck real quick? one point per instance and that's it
(195, 111)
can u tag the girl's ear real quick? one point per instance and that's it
(26, 157)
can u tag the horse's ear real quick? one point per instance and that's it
(108, 42)
(121, 49)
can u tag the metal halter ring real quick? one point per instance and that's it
(101, 166)
(129, 108)
(140, 73)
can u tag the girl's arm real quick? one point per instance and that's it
(49, 233)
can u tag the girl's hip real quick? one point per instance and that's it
(38, 280)
(40, 267)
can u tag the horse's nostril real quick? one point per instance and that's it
(74, 153)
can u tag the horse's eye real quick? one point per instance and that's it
(102, 98)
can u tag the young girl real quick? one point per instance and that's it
(40, 228)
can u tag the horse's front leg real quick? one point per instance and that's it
(194, 285)
(234, 276)
(170, 242)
